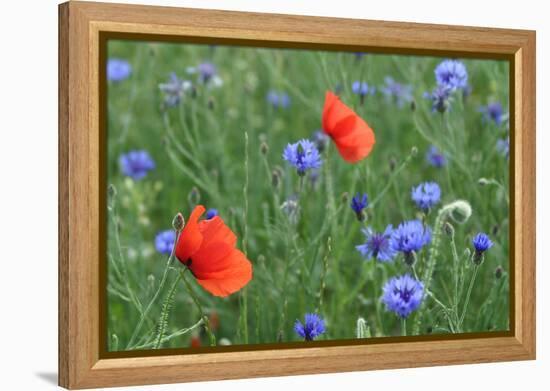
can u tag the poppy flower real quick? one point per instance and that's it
(207, 248)
(195, 342)
(352, 135)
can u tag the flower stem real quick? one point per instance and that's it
(404, 327)
(155, 296)
(166, 307)
(392, 178)
(468, 293)
(205, 319)
(244, 309)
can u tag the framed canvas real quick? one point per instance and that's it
(248, 195)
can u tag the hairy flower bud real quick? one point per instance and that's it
(264, 148)
(178, 222)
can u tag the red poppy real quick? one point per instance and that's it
(207, 248)
(352, 135)
(214, 320)
(195, 342)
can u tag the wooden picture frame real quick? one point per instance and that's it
(83, 25)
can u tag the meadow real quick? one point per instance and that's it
(387, 246)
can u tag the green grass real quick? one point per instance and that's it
(311, 265)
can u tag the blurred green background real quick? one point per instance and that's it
(200, 143)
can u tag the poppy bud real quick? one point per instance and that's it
(413, 105)
(460, 211)
(264, 148)
(276, 178)
(393, 164)
(498, 272)
(194, 196)
(211, 103)
(178, 222)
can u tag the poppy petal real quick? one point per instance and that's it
(211, 258)
(236, 274)
(215, 230)
(191, 238)
(353, 137)
(333, 112)
(358, 143)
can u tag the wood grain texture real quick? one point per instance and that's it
(80, 364)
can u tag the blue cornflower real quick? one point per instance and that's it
(164, 241)
(118, 69)
(174, 89)
(206, 71)
(409, 238)
(312, 327)
(211, 213)
(207, 74)
(440, 97)
(435, 157)
(402, 295)
(481, 243)
(358, 203)
(503, 146)
(426, 195)
(452, 74)
(377, 245)
(136, 164)
(493, 111)
(362, 89)
(278, 99)
(399, 93)
(321, 140)
(303, 155)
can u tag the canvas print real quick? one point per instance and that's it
(267, 196)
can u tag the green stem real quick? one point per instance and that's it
(404, 327)
(456, 264)
(464, 209)
(155, 296)
(171, 336)
(468, 293)
(211, 336)
(324, 274)
(166, 307)
(392, 178)
(244, 310)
